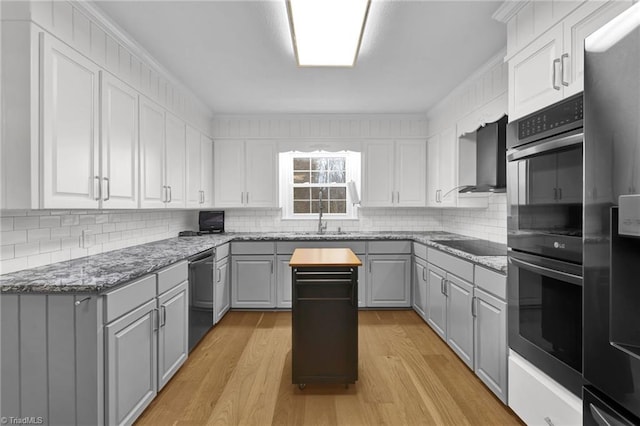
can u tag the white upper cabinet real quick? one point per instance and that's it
(206, 170)
(245, 173)
(394, 174)
(199, 169)
(153, 192)
(162, 157)
(119, 144)
(551, 67)
(378, 186)
(442, 168)
(175, 161)
(70, 156)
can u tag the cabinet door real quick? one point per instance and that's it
(194, 162)
(261, 174)
(131, 364)
(460, 318)
(490, 352)
(411, 176)
(70, 167)
(206, 170)
(222, 296)
(433, 170)
(152, 191)
(389, 281)
(419, 287)
(228, 170)
(119, 144)
(448, 172)
(436, 300)
(173, 332)
(175, 161)
(590, 16)
(284, 282)
(533, 74)
(253, 283)
(378, 174)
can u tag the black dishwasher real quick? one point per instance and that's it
(325, 325)
(201, 292)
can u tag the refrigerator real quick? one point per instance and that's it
(611, 300)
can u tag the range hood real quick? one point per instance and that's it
(491, 160)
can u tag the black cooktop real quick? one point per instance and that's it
(476, 247)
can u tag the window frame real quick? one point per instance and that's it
(352, 173)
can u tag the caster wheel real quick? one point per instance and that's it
(301, 386)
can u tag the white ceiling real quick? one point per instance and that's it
(237, 57)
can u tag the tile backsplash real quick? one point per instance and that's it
(38, 237)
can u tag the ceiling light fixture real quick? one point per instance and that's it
(327, 33)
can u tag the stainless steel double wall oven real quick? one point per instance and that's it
(544, 220)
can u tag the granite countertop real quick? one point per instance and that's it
(102, 272)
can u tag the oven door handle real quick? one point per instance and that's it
(547, 145)
(548, 272)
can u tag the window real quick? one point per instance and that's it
(305, 177)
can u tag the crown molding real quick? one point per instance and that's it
(508, 9)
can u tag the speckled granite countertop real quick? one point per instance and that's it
(102, 272)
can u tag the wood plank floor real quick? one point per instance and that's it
(240, 374)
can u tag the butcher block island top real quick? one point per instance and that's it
(319, 257)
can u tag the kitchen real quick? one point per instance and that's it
(78, 82)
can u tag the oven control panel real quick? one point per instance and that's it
(558, 115)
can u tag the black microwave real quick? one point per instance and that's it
(211, 221)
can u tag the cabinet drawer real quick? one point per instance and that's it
(537, 399)
(493, 282)
(253, 247)
(420, 250)
(128, 297)
(287, 247)
(390, 247)
(171, 276)
(222, 251)
(451, 264)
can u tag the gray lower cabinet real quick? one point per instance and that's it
(420, 287)
(253, 281)
(490, 349)
(222, 289)
(284, 281)
(436, 300)
(389, 280)
(173, 332)
(459, 296)
(131, 364)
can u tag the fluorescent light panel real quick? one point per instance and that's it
(327, 32)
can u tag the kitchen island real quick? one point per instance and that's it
(324, 316)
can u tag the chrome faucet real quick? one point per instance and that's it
(321, 227)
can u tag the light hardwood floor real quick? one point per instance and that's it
(241, 374)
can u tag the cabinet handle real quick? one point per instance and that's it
(202, 197)
(445, 288)
(164, 194)
(170, 194)
(219, 275)
(562, 58)
(96, 188)
(559, 193)
(424, 274)
(442, 285)
(247, 196)
(78, 302)
(553, 78)
(108, 189)
(473, 307)
(398, 197)
(393, 197)
(164, 315)
(242, 198)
